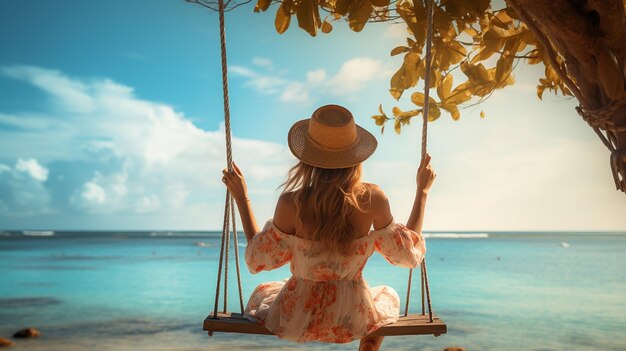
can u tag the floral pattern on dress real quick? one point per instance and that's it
(326, 299)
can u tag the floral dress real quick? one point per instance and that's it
(326, 299)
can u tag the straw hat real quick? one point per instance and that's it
(330, 139)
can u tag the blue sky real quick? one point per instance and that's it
(111, 118)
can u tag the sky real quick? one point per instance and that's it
(111, 117)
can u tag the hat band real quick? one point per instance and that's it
(331, 149)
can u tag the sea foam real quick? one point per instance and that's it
(38, 233)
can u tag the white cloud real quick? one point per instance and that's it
(242, 71)
(316, 77)
(69, 93)
(263, 62)
(148, 204)
(266, 84)
(147, 163)
(22, 190)
(123, 156)
(93, 193)
(295, 92)
(352, 77)
(355, 74)
(33, 168)
(396, 31)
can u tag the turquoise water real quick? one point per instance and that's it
(151, 291)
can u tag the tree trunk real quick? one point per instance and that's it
(589, 37)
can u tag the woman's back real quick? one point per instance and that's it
(375, 212)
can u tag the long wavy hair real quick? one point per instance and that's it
(332, 196)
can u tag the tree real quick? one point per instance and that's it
(581, 44)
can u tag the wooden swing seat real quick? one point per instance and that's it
(413, 324)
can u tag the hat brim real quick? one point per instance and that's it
(312, 154)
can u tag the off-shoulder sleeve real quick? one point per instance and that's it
(268, 249)
(400, 245)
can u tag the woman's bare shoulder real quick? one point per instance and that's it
(284, 213)
(377, 194)
(381, 209)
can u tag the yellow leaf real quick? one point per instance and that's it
(462, 93)
(398, 50)
(504, 17)
(359, 15)
(442, 58)
(482, 114)
(308, 16)
(504, 68)
(396, 111)
(455, 114)
(380, 120)
(380, 3)
(405, 114)
(490, 44)
(482, 72)
(452, 109)
(418, 98)
(262, 5)
(421, 72)
(540, 90)
(433, 113)
(396, 93)
(342, 7)
(470, 31)
(326, 27)
(483, 53)
(443, 90)
(406, 76)
(457, 51)
(283, 17)
(397, 126)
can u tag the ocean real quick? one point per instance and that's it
(152, 291)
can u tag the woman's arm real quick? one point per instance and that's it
(236, 184)
(425, 178)
(248, 221)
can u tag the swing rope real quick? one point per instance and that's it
(229, 209)
(229, 203)
(424, 275)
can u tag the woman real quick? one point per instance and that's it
(321, 225)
